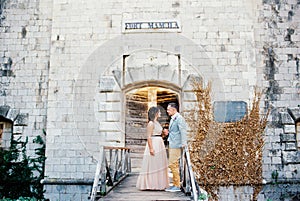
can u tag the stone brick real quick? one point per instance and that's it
(189, 96)
(294, 112)
(291, 157)
(289, 129)
(109, 106)
(109, 126)
(275, 140)
(248, 190)
(274, 192)
(290, 146)
(286, 118)
(276, 160)
(113, 116)
(288, 137)
(267, 160)
(113, 97)
(18, 129)
(22, 120)
(12, 114)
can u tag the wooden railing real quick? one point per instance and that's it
(189, 184)
(113, 166)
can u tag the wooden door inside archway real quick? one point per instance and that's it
(138, 101)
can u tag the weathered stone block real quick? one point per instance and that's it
(274, 138)
(109, 126)
(12, 114)
(290, 146)
(294, 112)
(267, 160)
(291, 157)
(189, 96)
(248, 190)
(289, 129)
(275, 152)
(168, 73)
(189, 105)
(267, 145)
(21, 120)
(276, 160)
(138, 74)
(113, 116)
(189, 81)
(107, 84)
(288, 137)
(115, 96)
(276, 192)
(18, 129)
(285, 118)
(67, 192)
(109, 106)
(4, 110)
(275, 131)
(184, 76)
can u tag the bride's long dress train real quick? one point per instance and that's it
(154, 170)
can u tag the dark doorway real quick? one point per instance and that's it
(137, 103)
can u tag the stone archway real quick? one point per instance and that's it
(144, 74)
(106, 66)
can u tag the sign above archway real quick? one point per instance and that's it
(151, 26)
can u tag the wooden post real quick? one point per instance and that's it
(191, 173)
(97, 174)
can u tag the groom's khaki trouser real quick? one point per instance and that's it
(174, 155)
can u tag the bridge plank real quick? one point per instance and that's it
(126, 190)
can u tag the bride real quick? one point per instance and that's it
(154, 171)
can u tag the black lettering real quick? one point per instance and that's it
(133, 25)
(176, 25)
(150, 25)
(161, 24)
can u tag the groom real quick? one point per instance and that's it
(177, 141)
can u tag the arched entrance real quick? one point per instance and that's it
(98, 102)
(138, 101)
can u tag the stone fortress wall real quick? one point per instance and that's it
(61, 70)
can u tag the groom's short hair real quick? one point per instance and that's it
(173, 105)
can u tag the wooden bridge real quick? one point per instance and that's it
(115, 181)
(126, 190)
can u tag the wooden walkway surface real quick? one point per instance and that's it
(126, 190)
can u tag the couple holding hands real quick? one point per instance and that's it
(154, 170)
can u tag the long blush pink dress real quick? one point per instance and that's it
(154, 170)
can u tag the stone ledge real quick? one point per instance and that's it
(56, 181)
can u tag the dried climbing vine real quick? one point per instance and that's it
(225, 154)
